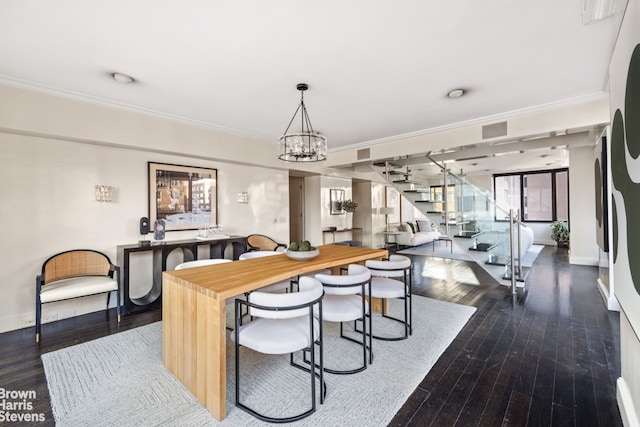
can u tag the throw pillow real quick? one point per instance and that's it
(411, 226)
(402, 227)
(424, 225)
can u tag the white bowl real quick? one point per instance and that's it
(302, 255)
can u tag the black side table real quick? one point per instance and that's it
(447, 241)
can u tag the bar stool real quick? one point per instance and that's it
(392, 279)
(345, 301)
(283, 323)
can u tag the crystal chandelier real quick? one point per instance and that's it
(305, 146)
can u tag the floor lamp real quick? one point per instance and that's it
(386, 211)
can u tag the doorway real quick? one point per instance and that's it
(296, 208)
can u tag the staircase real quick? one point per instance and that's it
(469, 215)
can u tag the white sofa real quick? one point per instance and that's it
(425, 232)
(526, 239)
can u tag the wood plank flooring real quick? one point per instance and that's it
(550, 360)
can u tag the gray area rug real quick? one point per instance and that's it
(440, 249)
(120, 379)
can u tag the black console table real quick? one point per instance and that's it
(161, 251)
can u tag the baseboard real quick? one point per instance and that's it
(583, 261)
(55, 311)
(625, 404)
(609, 300)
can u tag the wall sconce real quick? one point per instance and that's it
(243, 197)
(104, 193)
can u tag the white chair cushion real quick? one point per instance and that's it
(393, 268)
(382, 287)
(313, 273)
(277, 336)
(357, 274)
(342, 308)
(201, 262)
(258, 254)
(77, 287)
(310, 290)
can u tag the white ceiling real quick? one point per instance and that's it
(375, 68)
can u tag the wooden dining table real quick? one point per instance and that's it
(194, 336)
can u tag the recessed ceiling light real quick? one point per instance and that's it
(122, 78)
(455, 93)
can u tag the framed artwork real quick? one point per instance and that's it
(392, 199)
(336, 197)
(185, 197)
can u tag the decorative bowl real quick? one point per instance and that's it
(302, 255)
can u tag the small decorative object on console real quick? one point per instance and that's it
(211, 232)
(159, 227)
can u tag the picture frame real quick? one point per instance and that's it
(392, 199)
(335, 197)
(185, 197)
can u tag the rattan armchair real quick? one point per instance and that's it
(74, 274)
(260, 242)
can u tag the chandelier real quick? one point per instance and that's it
(305, 146)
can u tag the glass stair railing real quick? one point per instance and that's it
(470, 216)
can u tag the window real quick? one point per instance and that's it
(539, 195)
(507, 194)
(562, 196)
(537, 201)
(436, 195)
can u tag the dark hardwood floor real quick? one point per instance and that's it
(552, 359)
(549, 360)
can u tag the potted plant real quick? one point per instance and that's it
(560, 233)
(348, 206)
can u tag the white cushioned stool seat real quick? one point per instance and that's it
(283, 323)
(278, 336)
(386, 288)
(345, 301)
(342, 308)
(201, 263)
(77, 287)
(391, 279)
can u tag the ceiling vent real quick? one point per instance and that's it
(495, 130)
(364, 154)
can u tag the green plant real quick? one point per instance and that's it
(302, 246)
(348, 205)
(560, 232)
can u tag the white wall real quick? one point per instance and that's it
(370, 196)
(53, 151)
(626, 170)
(313, 209)
(49, 206)
(582, 206)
